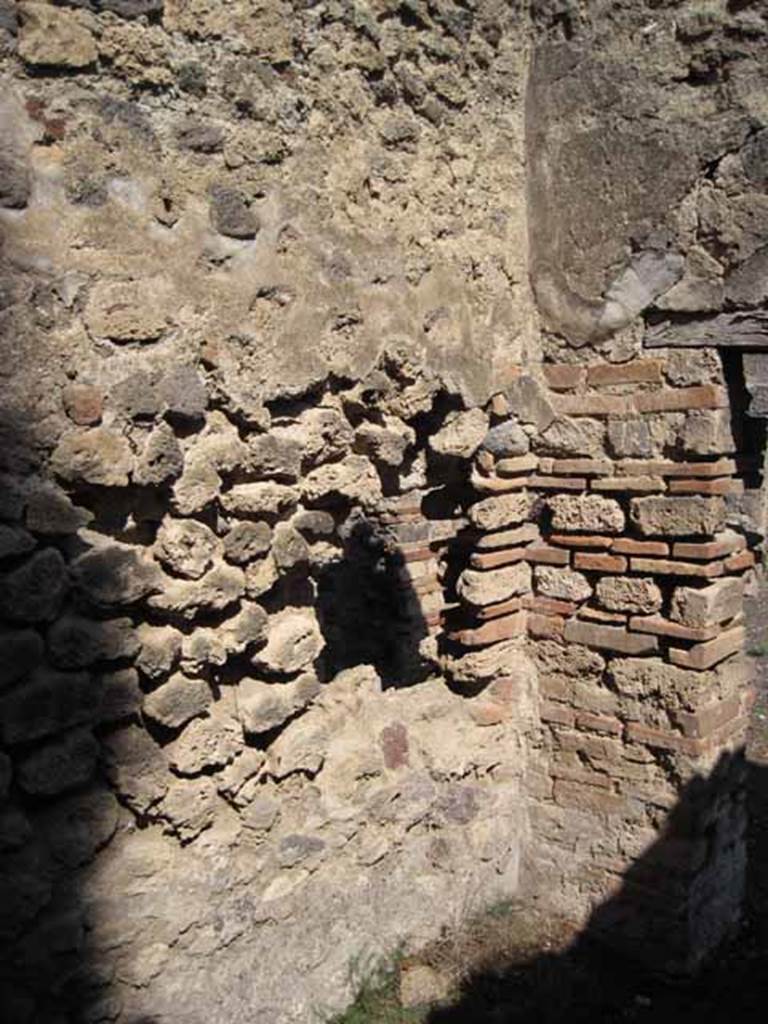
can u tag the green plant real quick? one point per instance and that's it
(376, 983)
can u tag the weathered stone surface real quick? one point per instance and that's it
(46, 703)
(182, 394)
(384, 442)
(462, 434)
(52, 37)
(190, 807)
(216, 590)
(276, 455)
(76, 827)
(265, 706)
(528, 401)
(198, 485)
(678, 517)
(160, 649)
(60, 765)
(561, 583)
(126, 311)
(51, 511)
(572, 438)
(214, 646)
(205, 743)
(84, 404)
(96, 456)
(716, 603)
(14, 540)
(294, 641)
(708, 432)
(246, 542)
(260, 499)
(500, 510)
(14, 183)
(289, 549)
(21, 650)
(482, 587)
(34, 592)
(186, 546)
(115, 574)
(160, 460)
(506, 439)
(121, 695)
(589, 513)
(231, 215)
(630, 436)
(177, 701)
(631, 594)
(136, 767)
(352, 479)
(75, 642)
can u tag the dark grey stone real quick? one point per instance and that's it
(63, 764)
(231, 214)
(201, 137)
(247, 541)
(14, 183)
(507, 439)
(136, 396)
(182, 393)
(20, 653)
(48, 702)
(34, 591)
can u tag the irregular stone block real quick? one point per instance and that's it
(314, 523)
(562, 584)
(76, 827)
(64, 764)
(294, 641)
(190, 807)
(633, 594)
(83, 403)
(136, 397)
(571, 438)
(289, 549)
(487, 663)
(34, 592)
(216, 590)
(707, 432)
(528, 401)
(265, 706)
(709, 605)
(75, 642)
(231, 214)
(136, 767)
(248, 541)
(261, 499)
(14, 541)
(178, 701)
(352, 479)
(126, 311)
(53, 37)
(483, 587)
(507, 439)
(20, 652)
(161, 459)
(205, 743)
(186, 546)
(50, 511)
(160, 649)
(48, 702)
(678, 517)
(630, 436)
(385, 442)
(589, 513)
(461, 435)
(95, 456)
(198, 485)
(500, 510)
(121, 695)
(277, 454)
(14, 183)
(182, 393)
(115, 574)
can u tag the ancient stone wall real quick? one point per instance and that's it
(347, 589)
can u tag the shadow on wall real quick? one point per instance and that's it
(669, 899)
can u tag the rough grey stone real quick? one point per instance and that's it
(115, 574)
(231, 215)
(93, 456)
(136, 767)
(289, 549)
(76, 827)
(201, 137)
(46, 703)
(121, 695)
(75, 642)
(247, 541)
(177, 701)
(160, 649)
(161, 458)
(528, 401)
(14, 541)
(216, 590)
(205, 743)
(294, 641)
(34, 592)
(58, 766)
(20, 652)
(14, 183)
(506, 439)
(51, 511)
(182, 393)
(186, 546)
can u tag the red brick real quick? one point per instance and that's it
(549, 605)
(545, 626)
(520, 464)
(628, 546)
(643, 467)
(599, 723)
(599, 562)
(563, 376)
(704, 396)
(509, 538)
(571, 540)
(588, 798)
(583, 776)
(581, 467)
(542, 554)
(598, 615)
(494, 559)
(492, 632)
(707, 719)
(637, 371)
(663, 627)
(610, 638)
(723, 485)
(558, 483)
(705, 655)
(415, 554)
(557, 714)
(630, 484)
(665, 567)
(637, 733)
(493, 611)
(711, 549)
(591, 405)
(743, 560)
